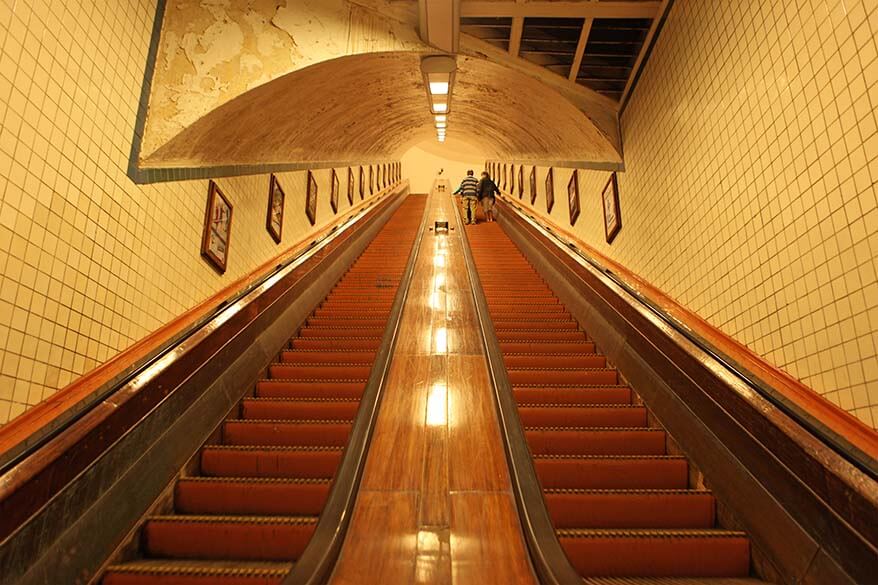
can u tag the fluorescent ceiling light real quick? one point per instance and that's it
(440, 107)
(441, 118)
(441, 124)
(439, 87)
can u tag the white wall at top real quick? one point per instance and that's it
(421, 163)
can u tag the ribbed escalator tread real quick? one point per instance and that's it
(254, 504)
(197, 572)
(621, 504)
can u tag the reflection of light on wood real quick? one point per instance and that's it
(437, 413)
(430, 555)
(438, 281)
(441, 340)
(439, 259)
(434, 300)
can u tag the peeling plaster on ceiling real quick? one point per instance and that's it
(212, 51)
(602, 110)
(215, 51)
(372, 106)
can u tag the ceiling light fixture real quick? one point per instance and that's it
(438, 73)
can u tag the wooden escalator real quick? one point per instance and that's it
(251, 509)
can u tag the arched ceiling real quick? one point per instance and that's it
(374, 105)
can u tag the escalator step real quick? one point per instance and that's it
(286, 433)
(288, 408)
(250, 461)
(582, 416)
(318, 372)
(544, 347)
(336, 343)
(595, 441)
(657, 553)
(594, 395)
(251, 538)
(187, 572)
(548, 377)
(324, 389)
(250, 496)
(302, 356)
(631, 508)
(613, 472)
(555, 360)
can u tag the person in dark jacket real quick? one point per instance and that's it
(487, 192)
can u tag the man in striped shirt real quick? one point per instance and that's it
(469, 191)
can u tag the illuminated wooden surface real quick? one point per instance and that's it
(435, 504)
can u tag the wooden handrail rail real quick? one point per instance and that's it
(48, 414)
(839, 421)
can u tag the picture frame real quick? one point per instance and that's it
(612, 208)
(217, 228)
(573, 197)
(333, 194)
(533, 185)
(504, 177)
(550, 190)
(311, 198)
(274, 219)
(362, 183)
(521, 181)
(351, 186)
(511, 179)
(371, 179)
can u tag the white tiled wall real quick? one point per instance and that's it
(89, 262)
(751, 186)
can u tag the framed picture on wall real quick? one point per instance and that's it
(521, 181)
(371, 179)
(612, 211)
(511, 179)
(351, 185)
(333, 195)
(379, 177)
(503, 172)
(311, 199)
(274, 222)
(533, 185)
(573, 197)
(362, 182)
(550, 190)
(217, 228)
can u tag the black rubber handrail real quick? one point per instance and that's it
(835, 441)
(548, 559)
(320, 555)
(17, 454)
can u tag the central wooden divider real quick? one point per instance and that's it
(435, 502)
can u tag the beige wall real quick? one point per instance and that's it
(750, 189)
(90, 262)
(420, 164)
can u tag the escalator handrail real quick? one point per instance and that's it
(822, 432)
(150, 366)
(319, 557)
(547, 557)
